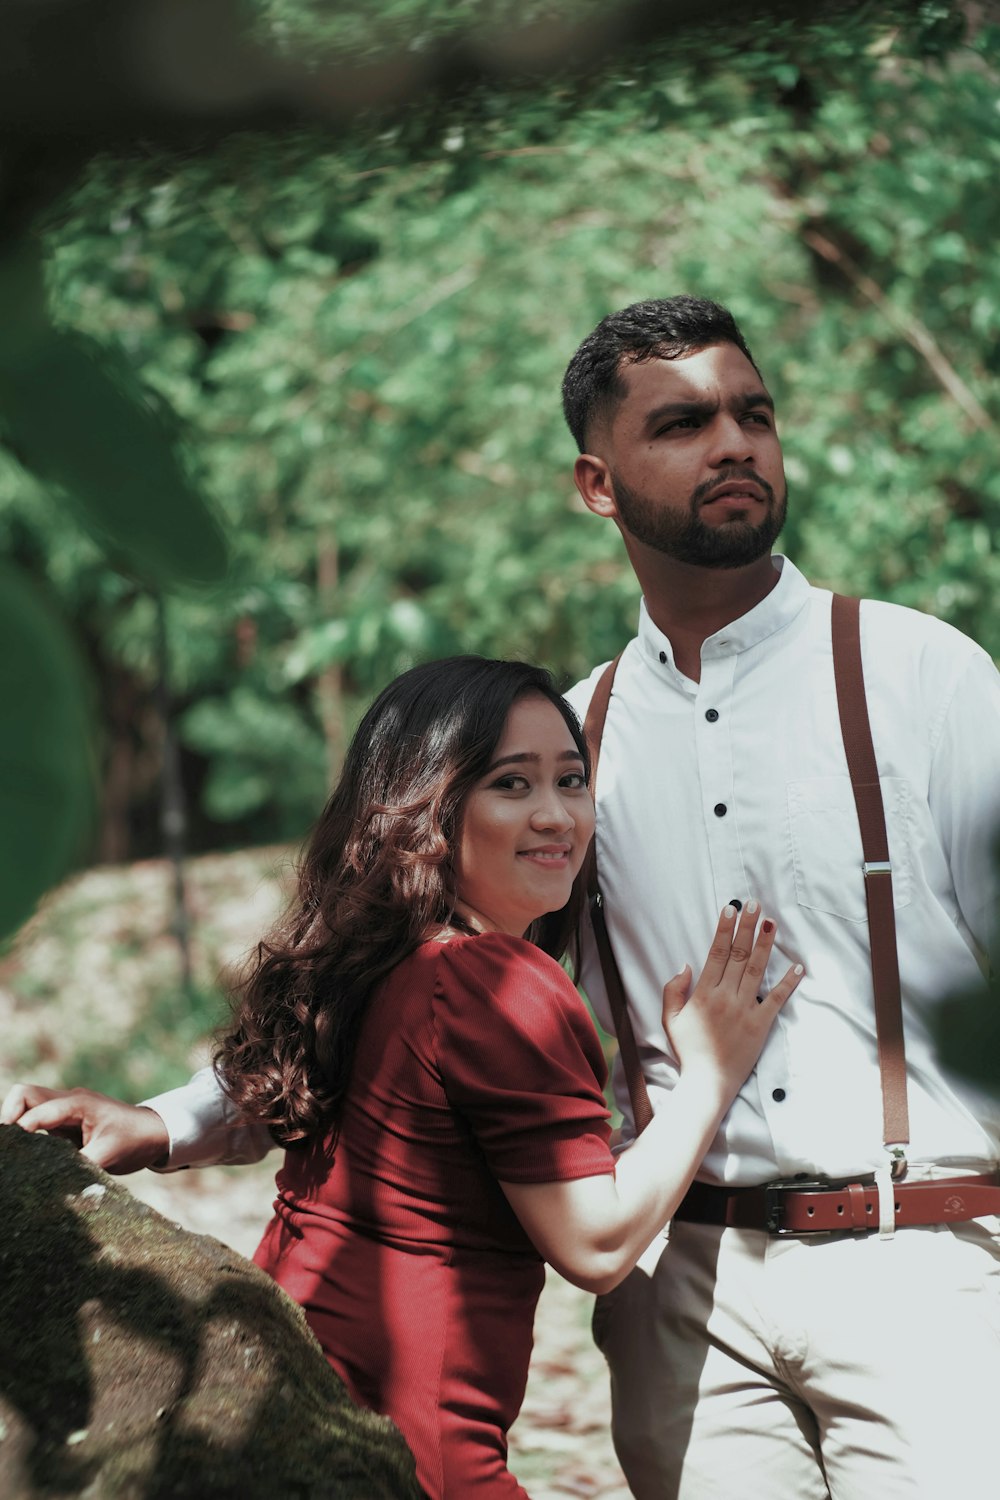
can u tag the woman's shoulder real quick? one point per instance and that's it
(510, 1024)
(466, 954)
(519, 984)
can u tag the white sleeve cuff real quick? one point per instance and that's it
(204, 1127)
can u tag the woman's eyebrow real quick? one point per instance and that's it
(522, 757)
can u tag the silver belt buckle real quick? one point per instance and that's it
(773, 1207)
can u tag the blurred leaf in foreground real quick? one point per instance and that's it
(968, 1035)
(967, 1028)
(75, 414)
(46, 767)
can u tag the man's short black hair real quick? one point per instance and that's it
(658, 329)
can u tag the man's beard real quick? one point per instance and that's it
(731, 544)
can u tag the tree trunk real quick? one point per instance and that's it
(173, 813)
(330, 682)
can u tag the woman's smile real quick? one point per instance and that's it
(551, 854)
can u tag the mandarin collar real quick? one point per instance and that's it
(782, 605)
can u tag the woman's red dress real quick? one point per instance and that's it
(477, 1061)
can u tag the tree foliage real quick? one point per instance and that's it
(361, 337)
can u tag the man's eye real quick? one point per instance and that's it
(682, 422)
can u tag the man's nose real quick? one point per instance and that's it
(730, 443)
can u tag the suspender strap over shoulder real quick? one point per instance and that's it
(859, 748)
(593, 728)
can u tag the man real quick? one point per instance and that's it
(746, 1365)
(743, 1364)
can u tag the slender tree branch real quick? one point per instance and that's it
(916, 334)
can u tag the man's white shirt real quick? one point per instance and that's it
(737, 786)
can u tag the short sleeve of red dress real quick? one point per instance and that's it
(521, 1061)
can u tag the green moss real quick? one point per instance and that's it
(138, 1361)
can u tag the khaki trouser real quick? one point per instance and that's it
(753, 1368)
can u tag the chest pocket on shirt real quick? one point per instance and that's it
(826, 844)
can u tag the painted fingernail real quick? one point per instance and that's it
(729, 911)
(752, 906)
(767, 926)
(798, 969)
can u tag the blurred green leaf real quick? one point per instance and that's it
(46, 753)
(74, 414)
(967, 1032)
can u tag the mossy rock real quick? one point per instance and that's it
(140, 1362)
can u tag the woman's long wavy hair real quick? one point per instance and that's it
(375, 881)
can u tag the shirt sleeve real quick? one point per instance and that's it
(521, 1061)
(205, 1128)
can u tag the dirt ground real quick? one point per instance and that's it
(560, 1445)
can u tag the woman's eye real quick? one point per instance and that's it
(510, 783)
(574, 782)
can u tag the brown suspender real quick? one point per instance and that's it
(642, 1110)
(593, 728)
(856, 731)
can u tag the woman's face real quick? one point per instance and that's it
(526, 823)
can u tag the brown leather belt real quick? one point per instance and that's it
(795, 1206)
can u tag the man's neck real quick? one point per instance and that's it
(688, 604)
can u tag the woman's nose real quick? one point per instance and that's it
(551, 812)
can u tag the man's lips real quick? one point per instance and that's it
(742, 490)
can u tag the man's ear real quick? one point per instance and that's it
(593, 479)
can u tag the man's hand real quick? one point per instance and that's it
(116, 1136)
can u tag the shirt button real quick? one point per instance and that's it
(738, 904)
(663, 658)
(777, 1095)
(720, 809)
(711, 714)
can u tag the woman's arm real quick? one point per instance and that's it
(593, 1229)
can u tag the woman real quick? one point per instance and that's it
(408, 1034)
